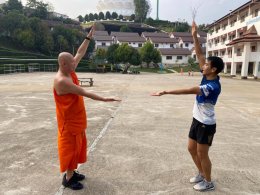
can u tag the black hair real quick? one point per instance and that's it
(216, 62)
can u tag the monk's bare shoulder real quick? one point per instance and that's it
(60, 83)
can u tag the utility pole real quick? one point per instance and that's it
(157, 18)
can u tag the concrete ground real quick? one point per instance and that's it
(138, 146)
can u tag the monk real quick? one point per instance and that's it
(71, 115)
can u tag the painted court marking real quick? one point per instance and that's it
(95, 142)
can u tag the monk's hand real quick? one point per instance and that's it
(112, 100)
(194, 29)
(91, 32)
(159, 93)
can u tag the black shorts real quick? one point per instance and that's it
(201, 133)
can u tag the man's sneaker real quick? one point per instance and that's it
(72, 183)
(198, 178)
(77, 176)
(204, 186)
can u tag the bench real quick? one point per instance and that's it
(86, 80)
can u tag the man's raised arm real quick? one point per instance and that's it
(198, 49)
(84, 46)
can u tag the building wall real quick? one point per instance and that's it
(99, 44)
(165, 45)
(174, 61)
(246, 56)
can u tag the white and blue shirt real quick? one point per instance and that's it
(203, 109)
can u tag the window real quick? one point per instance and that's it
(223, 53)
(181, 45)
(172, 45)
(103, 44)
(230, 53)
(256, 13)
(239, 52)
(253, 48)
(168, 57)
(140, 45)
(156, 45)
(179, 57)
(242, 19)
(186, 44)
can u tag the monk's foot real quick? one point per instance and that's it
(77, 176)
(71, 183)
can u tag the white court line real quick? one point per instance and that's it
(94, 144)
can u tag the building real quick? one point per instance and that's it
(103, 41)
(124, 34)
(121, 7)
(236, 39)
(159, 42)
(175, 56)
(136, 42)
(188, 43)
(57, 15)
(148, 35)
(101, 33)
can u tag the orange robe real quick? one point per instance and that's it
(72, 122)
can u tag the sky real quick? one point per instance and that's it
(172, 10)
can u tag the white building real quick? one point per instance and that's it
(103, 41)
(188, 43)
(174, 57)
(159, 42)
(136, 42)
(236, 38)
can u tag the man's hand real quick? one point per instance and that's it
(194, 29)
(158, 93)
(111, 100)
(91, 32)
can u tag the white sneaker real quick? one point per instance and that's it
(204, 186)
(198, 178)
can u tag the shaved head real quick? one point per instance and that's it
(66, 62)
(64, 57)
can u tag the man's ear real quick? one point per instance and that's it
(214, 69)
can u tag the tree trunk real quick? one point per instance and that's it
(126, 68)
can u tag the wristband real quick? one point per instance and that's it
(88, 38)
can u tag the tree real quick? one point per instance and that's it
(182, 27)
(121, 17)
(142, 9)
(81, 19)
(63, 43)
(39, 8)
(96, 16)
(127, 55)
(91, 17)
(114, 15)
(135, 58)
(12, 5)
(108, 15)
(132, 17)
(125, 28)
(150, 54)
(111, 57)
(101, 16)
(86, 18)
(101, 54)
(26, 38)
(10, 23)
